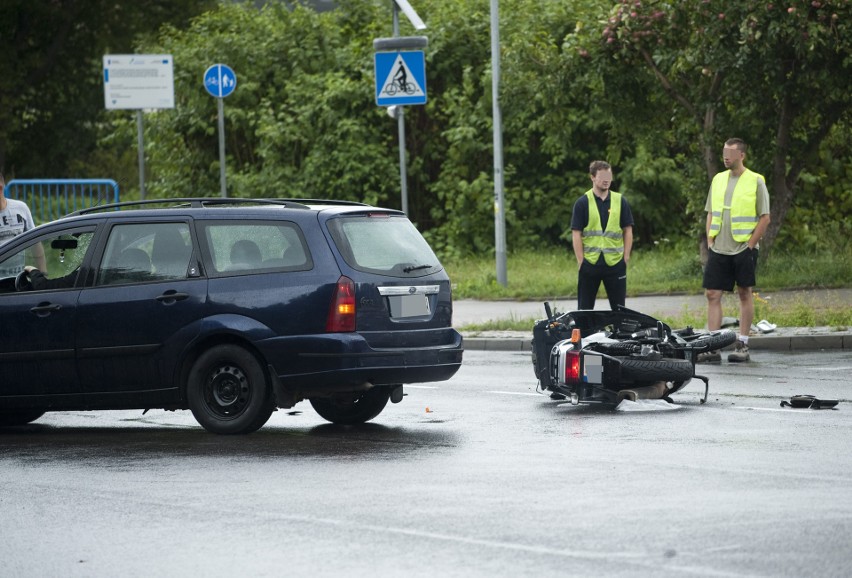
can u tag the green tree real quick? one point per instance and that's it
(52, 91)
(773, 73)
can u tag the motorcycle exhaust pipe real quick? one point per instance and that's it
(656, 390)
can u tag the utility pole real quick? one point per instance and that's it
(499, 208)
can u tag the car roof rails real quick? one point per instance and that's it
(330, 202)
(202, 202)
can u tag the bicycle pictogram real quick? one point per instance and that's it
(400, 83)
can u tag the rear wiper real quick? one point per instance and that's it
(410, 269)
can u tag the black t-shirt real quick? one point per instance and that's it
(580, 216)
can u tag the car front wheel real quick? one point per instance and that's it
(352, 408)
(228, 392)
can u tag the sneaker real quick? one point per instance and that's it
(709, 357)
(740, 352)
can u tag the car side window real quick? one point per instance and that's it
(57, 256)
(137, 253)
(251, 246)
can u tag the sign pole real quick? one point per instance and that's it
(220, 81)
(403, 175)
(138, 82)
(221, 102)
(401, 79)
(141, 146)
(400, 122)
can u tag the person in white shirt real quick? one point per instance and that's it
(16, 218)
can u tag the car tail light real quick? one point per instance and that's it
(341, 312)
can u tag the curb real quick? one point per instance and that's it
(838, 340)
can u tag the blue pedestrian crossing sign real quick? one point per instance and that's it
(220, 80)
(400, 78)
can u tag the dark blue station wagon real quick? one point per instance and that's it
(228, 307)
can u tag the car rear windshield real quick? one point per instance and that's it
(383, 244)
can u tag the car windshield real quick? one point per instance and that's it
(383, 244)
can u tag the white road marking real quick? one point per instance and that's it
(514, 393)
(780, 409)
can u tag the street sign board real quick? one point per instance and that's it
(137, 81)
(400, 78)
(220, 80)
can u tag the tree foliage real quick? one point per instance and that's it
(769, 72)
(51, 96)
(652, 86)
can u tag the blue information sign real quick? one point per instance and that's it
(220, 80)
(400, 78)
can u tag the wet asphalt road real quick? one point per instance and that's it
(472, 477)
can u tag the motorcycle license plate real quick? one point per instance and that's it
(592, 369)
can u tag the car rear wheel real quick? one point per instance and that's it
(228, 392)
(22, 417)
(352, 408)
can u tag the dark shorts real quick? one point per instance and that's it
(722, 271)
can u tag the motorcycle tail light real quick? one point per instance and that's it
(566, 363)
(572, 367)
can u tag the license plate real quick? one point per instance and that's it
(402, 306)
(592, 369)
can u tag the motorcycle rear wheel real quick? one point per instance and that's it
(641, 371)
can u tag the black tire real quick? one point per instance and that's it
(712, 341)
(353, 408)
(640, 370)
(21, 417)
(228, 392)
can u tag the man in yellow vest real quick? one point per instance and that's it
(602, 237)
(737, 216)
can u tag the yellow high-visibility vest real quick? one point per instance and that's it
(596, 240)
(743, 205)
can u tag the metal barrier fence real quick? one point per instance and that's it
(50, 199)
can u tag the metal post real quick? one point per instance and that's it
(140, 144)
(499, 210)
(221, 107)
(400, 121)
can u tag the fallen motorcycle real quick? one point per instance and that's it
(604, 357)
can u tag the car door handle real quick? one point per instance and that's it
(172, 296)
(45, 309)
